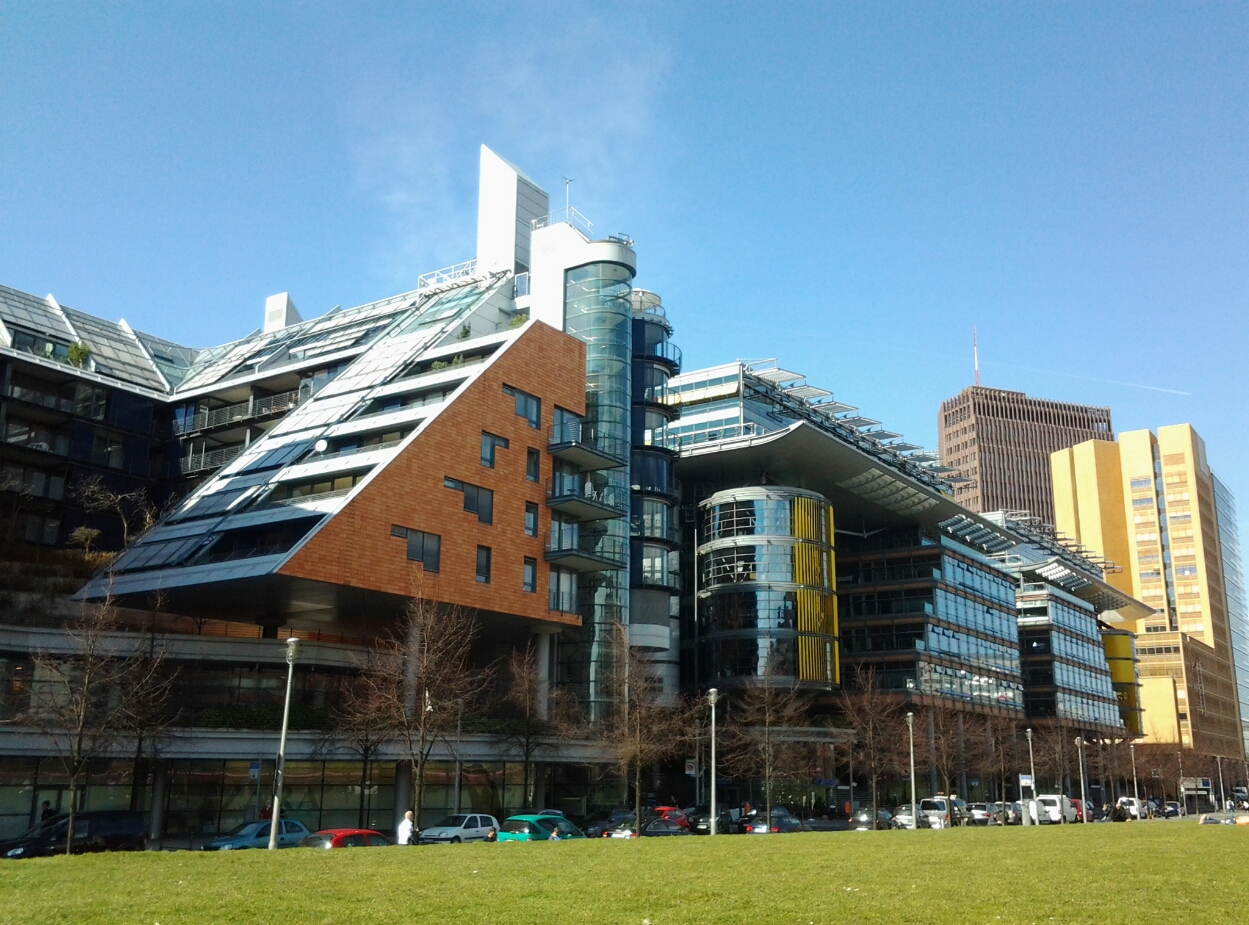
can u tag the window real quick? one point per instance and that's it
(483, 564)
(533, 464)
(563, 590)
(477, 500)
(1141, 484)
(529, 578)
(490, 443)
(1142, 502)
(531, 518)
(528, 406)
(425, 548)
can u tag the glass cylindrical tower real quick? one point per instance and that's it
(767, 589)
(654, 575)
(598, 311)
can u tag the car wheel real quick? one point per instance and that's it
(455, 840)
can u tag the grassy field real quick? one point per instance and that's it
(1160, 872)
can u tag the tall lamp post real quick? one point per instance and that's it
(1032, 771)
(1084, 792)
(712, 696)
(910, 734)
(275, 820)
(1183, 802)
(1136, 793)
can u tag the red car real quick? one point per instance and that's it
(345, 838)
(674, 813)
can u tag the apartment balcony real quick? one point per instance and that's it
(641, 527)
(208, 460)
(257, 408)
(585, 502)
(587, 553)
(666, 352)
(578, 444)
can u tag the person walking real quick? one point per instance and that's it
(405, 836)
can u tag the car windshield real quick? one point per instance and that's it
(932, 805)
(516, 827)
(241, 828)
(452, 822)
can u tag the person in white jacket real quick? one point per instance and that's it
(404, 835)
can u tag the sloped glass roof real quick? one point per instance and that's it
(114, 350)
(34, 314)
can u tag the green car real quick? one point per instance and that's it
(538, 828)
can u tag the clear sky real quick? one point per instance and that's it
(846, 187)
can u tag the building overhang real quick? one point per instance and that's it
(866, 492)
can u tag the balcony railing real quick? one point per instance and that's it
(581, 445)
(243, 411)
(587, 553)
(664, 350)
(352, 451)
(668, 533)
(447, 274)
(206, 460)
(586, 502)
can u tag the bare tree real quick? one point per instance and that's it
(756, 741)
(134, 510)
(1054, 747)
(875, 716)
(418, 680)
(644, 727)
(535, 728)
(95, 695)
(945, 751)
(364, 722)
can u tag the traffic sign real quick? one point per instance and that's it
(253, 771)
(1025, 780)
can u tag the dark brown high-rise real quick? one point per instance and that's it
(1000, 442)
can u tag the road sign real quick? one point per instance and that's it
(1025, 780)
(691, 767)
(253, 771)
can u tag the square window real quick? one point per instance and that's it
(533, 464)
(531, 518)
(528, 406)
(483, 564)
(477, 500)
(490, 443)
(529, 578)
(425, 548)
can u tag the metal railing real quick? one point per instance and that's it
(664, 350)
(243, 411)
(568, 216)
(607, 496)
(606, 548)
(208, 459)
(581, 434)
(303, 499)
(447, 274)
(352, 451)
(669, 532)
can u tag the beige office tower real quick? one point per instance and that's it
(1147, 503)
(999, 444)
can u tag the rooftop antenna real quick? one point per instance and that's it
(975, 353)
(567, 203)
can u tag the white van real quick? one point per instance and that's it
(1132, 806)
(1053, 808)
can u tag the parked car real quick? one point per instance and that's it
(700, 821)
(984, 814)
(943, 812)
(1010, 813)
(861, 821)
(345, 838)
(537, 827)
(461, 828)
(1053, 808)
(1172, 808)
(675, 813)
(780, 822)
(601, 823)
(904, 817)
(256, 835)
(102, 830)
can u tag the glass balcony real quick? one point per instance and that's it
(589, 451)
(587, 553)
(584, 501)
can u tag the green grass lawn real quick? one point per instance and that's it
(1164, 872)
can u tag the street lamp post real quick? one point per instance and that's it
(712, 696)
(1136, 793)
(1032, 771)
(275, 819)
(910, 734)
(1183, 802)
(1084, 792)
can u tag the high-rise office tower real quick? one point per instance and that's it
(1151, 505)
(999, 443)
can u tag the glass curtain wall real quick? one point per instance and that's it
(597, 310)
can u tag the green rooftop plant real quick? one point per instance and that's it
(78, 354)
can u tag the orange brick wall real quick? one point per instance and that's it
(356, 549)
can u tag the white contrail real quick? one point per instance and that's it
(1050, 372)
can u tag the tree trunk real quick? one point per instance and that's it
(73, 811)
(364, 782)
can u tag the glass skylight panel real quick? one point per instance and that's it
(277, 457)
(27, 311)
(210, 505)
(114, 350)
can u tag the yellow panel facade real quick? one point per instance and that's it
(1088, 504)
(1161, 710)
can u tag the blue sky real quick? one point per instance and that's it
(848, 188)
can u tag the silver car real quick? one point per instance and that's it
(455, 829)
